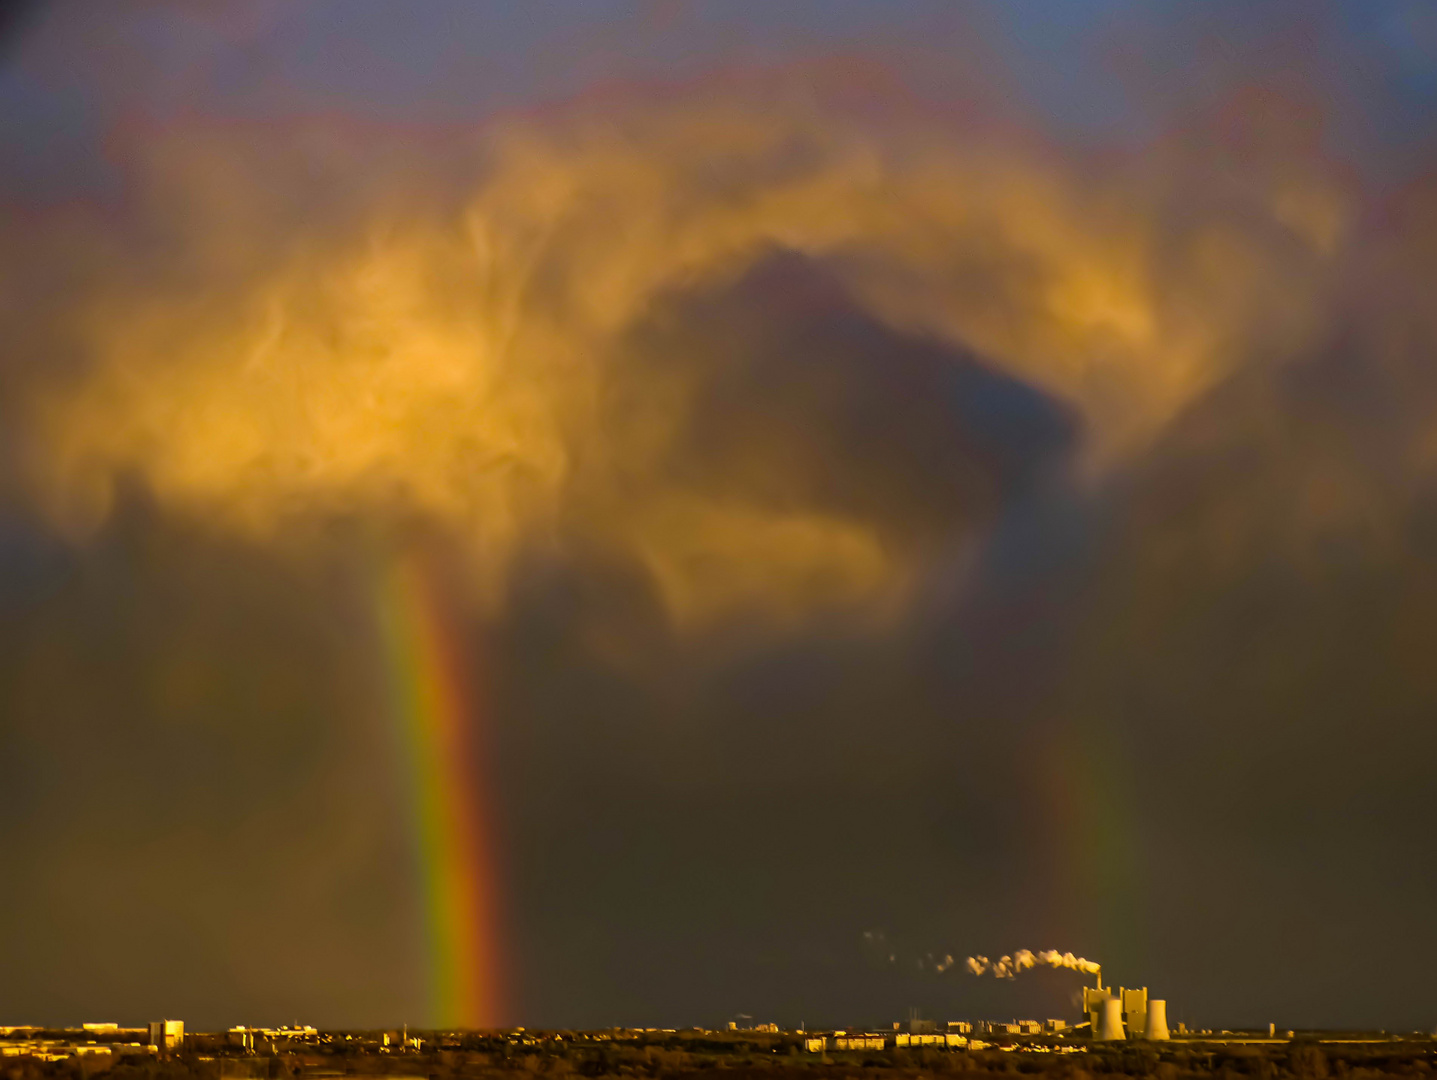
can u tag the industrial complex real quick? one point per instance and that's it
(1112, 1017)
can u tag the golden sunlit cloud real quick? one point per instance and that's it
(406, 350)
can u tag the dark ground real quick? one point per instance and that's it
(680, 1056)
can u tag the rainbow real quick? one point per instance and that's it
(438, 718)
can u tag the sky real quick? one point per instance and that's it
(575, 514)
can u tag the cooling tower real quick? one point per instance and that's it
(1112, 1025)
(1157, 1025)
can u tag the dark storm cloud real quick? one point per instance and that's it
(879, 519)
(15, 16)
(1265, 606)
(195, 823)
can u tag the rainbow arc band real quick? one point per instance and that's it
(439, 715)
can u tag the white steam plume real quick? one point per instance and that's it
(1008, 967)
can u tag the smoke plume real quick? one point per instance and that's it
(1009, 967)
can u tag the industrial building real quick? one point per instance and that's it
(842, 1040)
(241, 1037)
(900, 1039)
(167, 1034)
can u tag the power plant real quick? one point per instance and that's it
(1124, 1014)
(1112, 1015)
